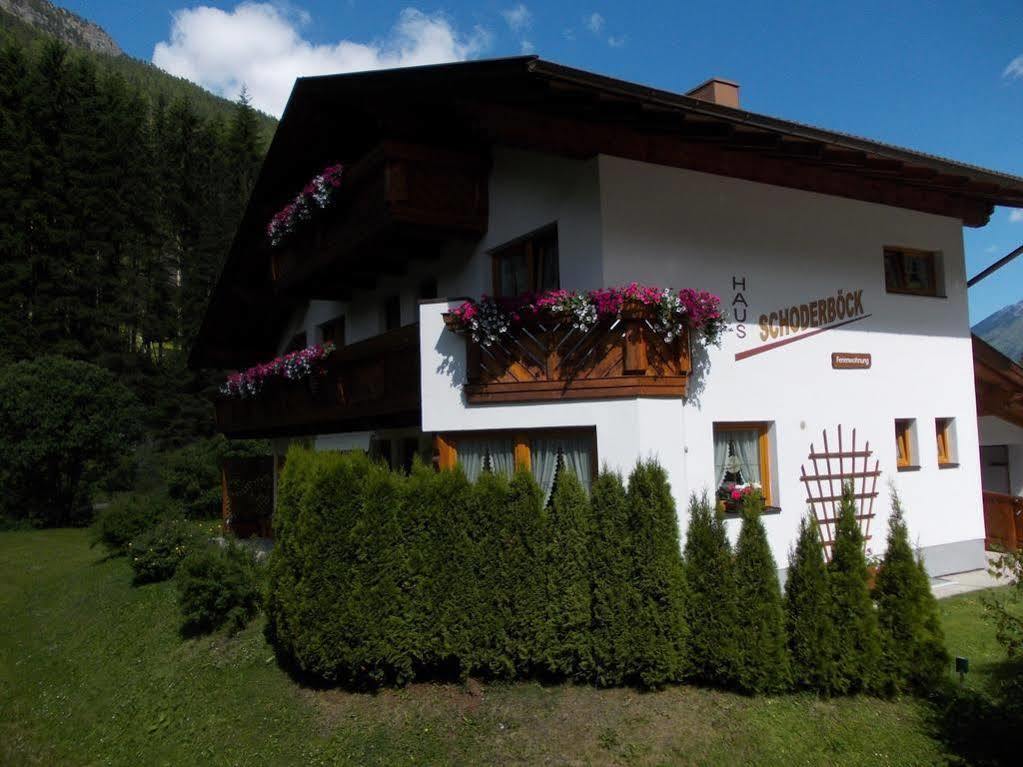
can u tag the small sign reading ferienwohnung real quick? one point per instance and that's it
(850, 361)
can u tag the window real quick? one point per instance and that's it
(528, 265)
(392, 313)
(944, 432)
(905, 443)
(546, 453)
(913, 272)
(742, 458)
(333, 332)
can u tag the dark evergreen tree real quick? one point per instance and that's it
(913, 644)
(659, 635)
(567, 650)
(857, 641)
(612, 565)
(712, 610)
(811, 634)
(762, 661)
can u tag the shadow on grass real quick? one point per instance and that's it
(982, 727)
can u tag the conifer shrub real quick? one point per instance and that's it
(521, 524)
(762, 658)
(156, 553)
(217, 586)
(614, 595)
(494, 650)
(811, 634)
(914, 657)
(712, 606)
(567, 649)
(442, 557)
(659, 632)
(857, 640)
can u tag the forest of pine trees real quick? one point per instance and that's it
(116, 213)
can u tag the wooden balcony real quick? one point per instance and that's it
(551, 360)
(400, 201)
(1003, 521)
(367, 385)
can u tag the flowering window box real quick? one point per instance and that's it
(612, 343)
(375, 381)
(400, 198)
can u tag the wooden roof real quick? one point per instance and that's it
(530, 103)
(999, 383)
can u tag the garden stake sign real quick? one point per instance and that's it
(824, 488)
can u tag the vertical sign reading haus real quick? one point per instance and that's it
(739, 306)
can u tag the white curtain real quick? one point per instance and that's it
(543, 455)
(502, 456)
(471, 454)
(475, 455)
(576, 454)
(721, 455)
(746, 444)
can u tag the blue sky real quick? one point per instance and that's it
(931, 76)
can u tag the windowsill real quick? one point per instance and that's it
(909, 467)
(914, 295)
(948, 464)
(738, 514)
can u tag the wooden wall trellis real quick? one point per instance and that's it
(824, 489)
(248, 495)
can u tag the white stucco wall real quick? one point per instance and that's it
(673, 227)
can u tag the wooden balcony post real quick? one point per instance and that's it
(634, 349)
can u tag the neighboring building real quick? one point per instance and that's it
(999, 384)
(839, 262)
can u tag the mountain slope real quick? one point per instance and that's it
(1004, 330)
(29, 22)
(62, 24)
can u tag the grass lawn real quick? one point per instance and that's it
(93, 671)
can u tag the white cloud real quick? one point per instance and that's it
(518, 17)
(259, 45)
(1015, 69)
(1016, 216)
(527, 47)
(594, 22)
(616, 41)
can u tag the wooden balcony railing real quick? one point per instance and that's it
(391, 205)
(370, 384)
(551, 360)
(1003, 521)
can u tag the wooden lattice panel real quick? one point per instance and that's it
(248, 495)
(833, 467)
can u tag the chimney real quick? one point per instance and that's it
(717, 91)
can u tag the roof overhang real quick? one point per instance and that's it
(531, 103)
(999, 383)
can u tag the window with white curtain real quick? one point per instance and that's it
(546, 453)
(479, 454)
(741, 459)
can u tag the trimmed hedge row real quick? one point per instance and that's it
(381, 578)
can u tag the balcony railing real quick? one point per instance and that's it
(370, 384)
(394, 202)
(1003, 521)
(552, 360)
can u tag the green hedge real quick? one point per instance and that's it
(382, 578)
